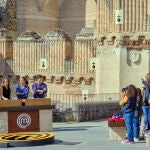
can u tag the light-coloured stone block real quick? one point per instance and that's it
(45, 118)
(3, 122)
(117, 133)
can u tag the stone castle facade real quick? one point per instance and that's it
(81, 46)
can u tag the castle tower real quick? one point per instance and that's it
(37, 15)
(75, 15)
(122, 16)
(123, 44)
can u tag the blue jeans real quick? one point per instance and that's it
(136, 127)
(129, 117)
(146, 112)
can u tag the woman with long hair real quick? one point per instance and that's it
(129, 112)
(22, 90)
(5, 89)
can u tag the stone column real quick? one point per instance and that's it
(14, 53)
(102, 15)
(105, 18)
(130, 16)
(123, 8)
(137, 15)
(118, 26)
(134, 16)
(34, 46)
(126, 15)
(141, 15)
(114, 23)
(98, 24)
(145, 16)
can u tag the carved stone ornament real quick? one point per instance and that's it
(88, 81)
(68, 80)
(29, 35)
(3, 32)
(119, 42)
(58, 80)
(85, 34)
(56, 35)
(77, 81)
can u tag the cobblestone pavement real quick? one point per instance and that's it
(84, 136)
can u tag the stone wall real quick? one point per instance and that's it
(133, 18)
(75, 15)
(39, 16)
(90, 111)
(122, 62)
(51, 53)
(6, 52)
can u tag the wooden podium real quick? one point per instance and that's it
(27, 115)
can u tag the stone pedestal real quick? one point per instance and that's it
(117, 133)
(147, 137)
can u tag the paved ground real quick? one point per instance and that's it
(84, 136)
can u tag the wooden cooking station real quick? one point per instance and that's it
(25, 115)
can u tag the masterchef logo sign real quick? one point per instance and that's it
(23, 120)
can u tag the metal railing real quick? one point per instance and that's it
(78, 107)
(64, 101)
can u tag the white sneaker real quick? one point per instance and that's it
(136, 139)
(148, 132)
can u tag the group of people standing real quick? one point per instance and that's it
(39, 88)
(133, 103)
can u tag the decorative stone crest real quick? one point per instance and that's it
(59, 79)
(134, 56)
(77, 81)
(85, 34)
(28, 36)
(56, 35)
(3, 32)
(119, 42)
(88, 81)
(68, 80)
